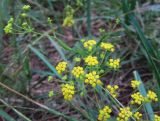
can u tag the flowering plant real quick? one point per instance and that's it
(82, 77)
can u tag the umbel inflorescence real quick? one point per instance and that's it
(88, 71)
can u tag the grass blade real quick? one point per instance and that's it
(58, 48)
(43, 58)
(149, 50)
(64, 45)
(6, 116)
(16, 111)
(52, 111)
(142, 90)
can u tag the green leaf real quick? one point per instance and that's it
(26, 65)
(6, 116)
(58, 48)
(143, 92)
(43, 58)
(149, 50)
(16, 111)
(64, 45)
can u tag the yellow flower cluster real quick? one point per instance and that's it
(61, 67)
(107, 46)
(93, 79)
(77, 71)
(135, 83)
(137, 98)
(137, 116)
(114, 63)
(124, 114)
(89, 44)
(91, 60)
(9, 27)
(104, 114)
(68, 21)
(156, 118)
(152, 96)
(112, 90)
(68, 91)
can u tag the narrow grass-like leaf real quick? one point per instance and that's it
(52, 111)
(43, 58)
(144, 93)
(16, 111)
(63, 45)
(149, 50)
(58, 48)
(6, 116)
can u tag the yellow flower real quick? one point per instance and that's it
(137, 98)
(91, 60)
(93, 79)
(156, 118)
(104, 114)
(124, 114)
(89, 44)
(135, 83)
(114, 63)
(77, 71)
(137, 116)
(68, 21)
(152, 96)
(107, 46)
(61, 67)
(112, 90)
(68, 91)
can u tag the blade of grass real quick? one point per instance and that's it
(148, 49)
(63, 45)
(52, 111)
(6, 116)
(43, 58)
(142, 90)
(58, 48)
(16, 111)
